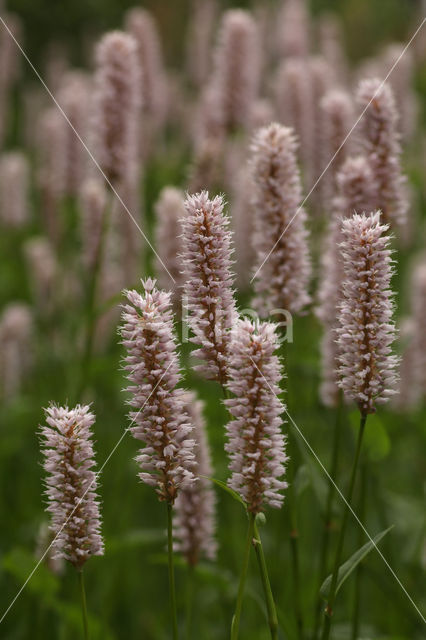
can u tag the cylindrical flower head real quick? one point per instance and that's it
(293, 35)
(366, 330)
(116, 108)
(169, 210)
(194, 523)
(159, 416)
(71, 483)
(242, 221)
(256, 446)
(74, 100)
(418, 297)
(295, 108)
(141, 25)
(93, 201)
(237, 67)
(400, 59)
(282, 279)
(331, 40)
(199, 40)
(336, 120)
(14, 187)
(16, 348)
(355, 195)
(380, 141)
(209, 282)
(43, 269)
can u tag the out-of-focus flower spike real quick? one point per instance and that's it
(14, 189)
(194, 522)
(237, 68)
(379, 139)
(16, 348)
(93, 202)
(169, 210)
(282, 275)
(200, 40)
(293, 32)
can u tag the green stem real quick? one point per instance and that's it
(83, 605)
(325, 543)
(171, 569)
(339, 550)
(189, 599)
(91, 304)
(269, 598)
(294, 549)
(235, 626)
(359, 569)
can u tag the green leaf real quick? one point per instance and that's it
(21, 563)
(302, 480)
(346, 569)
(225, 487)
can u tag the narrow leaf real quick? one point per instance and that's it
(231, 492)
(346, 569)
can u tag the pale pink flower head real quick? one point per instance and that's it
(379, 139)
(195, 507)
(116, 107)
(282, 275)
(295, 108)
(207, 251)
(169, 210)
(293, 33)
(256, 445)
(93, 199)
(141, 25)
(71, 483)
(14, 189)
(158, 417)
(74, 98)
(237, 67)
(366, 329)
(16, 348)
(418, 305)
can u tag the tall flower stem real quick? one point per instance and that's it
(83, 605)
(325, 542)
(341, 540)
(171, 570)
(269, 598)
(292, 506)
(91, 302)
(359, 569)
(235, 626)
(189, 599)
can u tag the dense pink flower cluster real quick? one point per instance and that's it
(366, 330)
(355, 195)
(237, 68)
(159, 417)
(256, 445)
(209, 281)
(169, 210)
(116, 104)
(71, 483)
(282, 280)
(194, 522)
